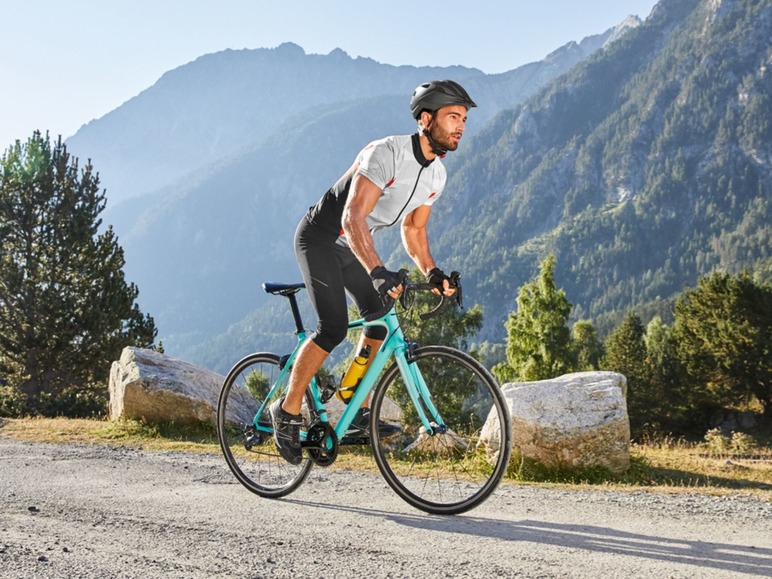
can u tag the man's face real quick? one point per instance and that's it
(447, 126)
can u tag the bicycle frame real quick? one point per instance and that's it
(394, 345)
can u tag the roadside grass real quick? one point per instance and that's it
(682, 466)
(717, 465)
(130, 433)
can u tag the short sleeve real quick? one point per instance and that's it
(377, 163)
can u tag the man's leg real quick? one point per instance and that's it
(319, 266)
(285, 412)
(358, 431)
(307, 363)
(367, 300)
(316, 253)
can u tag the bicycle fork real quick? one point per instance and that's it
(420, 395)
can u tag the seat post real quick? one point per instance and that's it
(295, 312)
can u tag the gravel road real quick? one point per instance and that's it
(96, 511)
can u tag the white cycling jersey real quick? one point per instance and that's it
(398, 166)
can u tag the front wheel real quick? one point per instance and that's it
(245, 430)
(457, 463)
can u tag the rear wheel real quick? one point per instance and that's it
(456, 465)
(246, 442)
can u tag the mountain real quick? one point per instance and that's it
(644, 168)
(641, 166)
(199, 246)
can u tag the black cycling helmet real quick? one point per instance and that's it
(435, 94)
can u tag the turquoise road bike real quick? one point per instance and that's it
(453, 440)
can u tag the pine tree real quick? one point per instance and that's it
(538, 337)
(66, 310)
(669, 396)
(724, 334)
(587, 349)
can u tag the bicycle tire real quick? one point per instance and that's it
(251, 453)
(447, 473)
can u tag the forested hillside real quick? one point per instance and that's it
(644, 168)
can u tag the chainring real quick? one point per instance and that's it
(322, 444)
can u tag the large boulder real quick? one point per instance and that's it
(576, 420)
(150, 386)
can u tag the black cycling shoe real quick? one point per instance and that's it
(286, 432)
(360, 427)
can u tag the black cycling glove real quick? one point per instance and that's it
(384, 281)
(437, 277)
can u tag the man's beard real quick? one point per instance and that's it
(442, 137)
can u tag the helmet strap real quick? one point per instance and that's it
(437, 149)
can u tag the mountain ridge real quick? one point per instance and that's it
(206, 110)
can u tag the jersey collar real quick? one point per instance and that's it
(418, 152)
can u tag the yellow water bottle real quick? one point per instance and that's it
(353, 376)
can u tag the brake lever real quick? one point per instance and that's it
(455, 281)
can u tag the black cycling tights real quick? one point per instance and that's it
(330, 270)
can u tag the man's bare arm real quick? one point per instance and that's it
(416, 240)
(363, 196)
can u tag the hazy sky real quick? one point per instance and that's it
(64, 63)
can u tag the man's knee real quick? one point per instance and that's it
(328, 338)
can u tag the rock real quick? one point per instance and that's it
(150, 386)
(576, 420)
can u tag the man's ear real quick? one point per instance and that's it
(425, 119)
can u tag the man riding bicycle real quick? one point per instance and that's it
(393, 179)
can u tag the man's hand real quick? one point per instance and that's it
(442, 282)
(387, 283)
